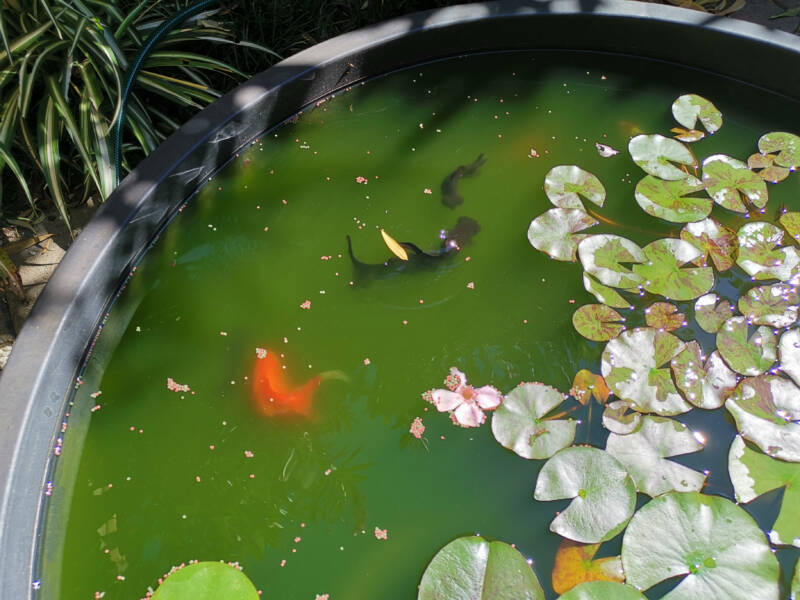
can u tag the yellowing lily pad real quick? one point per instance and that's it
(714, 543)
(555, 232)
(598, 322)
(687, 135)
(776, 305)
(751, 355)
(663, 315)
(603, 494)
(575, 565)
(636, 366)
(564, 185)
(786, 145)
(704, 385)
(760, 253)
(620, 418)
(672, 200)
(206, 581)
(711, 312)
(730, 183)
(472, 568)
(688, 108)
(714, 240)
(767, 410)
(603, 293)
(753, 474)
(657, 156)
(606, 256)
(519, 424)
(664, 274)
(586, 384)
(763, 164)
(790, 221)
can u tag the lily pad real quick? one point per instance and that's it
(644, 453)
(555, 232)
(786, 145)
(711, 312)
(795, 585)
(586, 384)
(597, 322)
(663, 315)
(471, 568)
(206, 581)
(605, 257)
(655, 154)
(564, 185)
(776, 305)
(688, 108)
(603, 293)
(791, 223)
(764, 165)
(663, 273)
(753, 474)
(636, 367)
(604, 496)
(620, 418)
(672, 200)
(603, 590)
(746, 355)
(760, 254)
(789, 354)
(687, 135)
(730, 182)
(575, 564)
(518, 423)
(767, 410)
(716, 544)
(704, 385)
(714, 240)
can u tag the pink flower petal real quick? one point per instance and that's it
(487, 397)
(469, 415)
(445, 400)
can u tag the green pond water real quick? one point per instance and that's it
(153, 478)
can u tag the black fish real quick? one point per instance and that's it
(450, 195)
(452, 242)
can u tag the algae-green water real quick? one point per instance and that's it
(149, 477)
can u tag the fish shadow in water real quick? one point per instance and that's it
(450, 195)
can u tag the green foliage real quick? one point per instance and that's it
(206, 581)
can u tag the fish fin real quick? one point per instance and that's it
(301, 398)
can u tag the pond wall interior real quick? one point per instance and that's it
(40, 378)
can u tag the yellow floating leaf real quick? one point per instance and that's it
(586, 384)
(394, 246)
(574, 565)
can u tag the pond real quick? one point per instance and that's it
(256, 393)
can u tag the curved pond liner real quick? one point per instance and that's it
(36, 385)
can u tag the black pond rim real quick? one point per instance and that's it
(37, 381)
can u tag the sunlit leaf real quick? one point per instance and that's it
(704, 385)
(764, 165)
(671, 200)
(753, 474)
(730, 182)
(564, 185)
(644, 454)
(394, 246)
(714, 543)
(603, 590)
(786, 145)
(555, 232)
(748, 355)
(760, 253)
(605, 256)
(586, 385)
(655, 154)
(472, 568)
(663, 273)
(767, 410)
(714, 240)
(775, 305)
(789, 354)
(206, 581)
(711, 312)
(687, 135)
(519, 425)
(603, 293)
(574, 565)
(663, 315)
(603, 494)
(687, 109)
(619, 417)
(791, 223)
(597, 322)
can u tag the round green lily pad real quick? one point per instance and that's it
(790, 221)
(704, 385)
(555, 232)
(605, 257)
(604, 496)
(603, 293)
(655, 154)
(786, 145)
(789, 354)
(672, 200)
(711, 312)
(664, 273)
(714, 543)
(565, 184)
(775, 305)
(597, 322)
(517, 423)
(602, 590)
(472, 568)
(761, 255)
(206, 581)
(730, 182)
(688, 108)
(714, 240)
(746, 355)
(663, 315)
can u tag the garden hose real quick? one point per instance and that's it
(144, 52)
